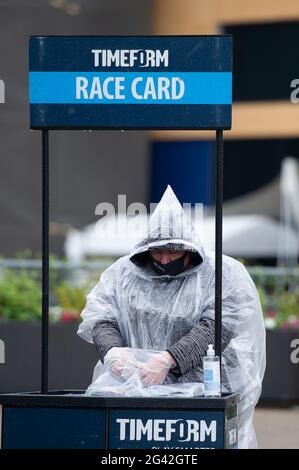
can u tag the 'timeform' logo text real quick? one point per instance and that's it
(2, 92)
(130, 57)
(164, 429)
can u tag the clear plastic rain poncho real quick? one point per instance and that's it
(130, 384)
(153, 312)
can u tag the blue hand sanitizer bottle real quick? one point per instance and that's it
(211, 369)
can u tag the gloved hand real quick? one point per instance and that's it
(120, 360)
(155, 370)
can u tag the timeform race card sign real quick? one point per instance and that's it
(141, 82)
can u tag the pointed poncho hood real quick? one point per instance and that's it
(169, 228)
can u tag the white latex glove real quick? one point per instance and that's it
(155, 370)
(120, 360)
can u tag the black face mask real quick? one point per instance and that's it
(170, 269)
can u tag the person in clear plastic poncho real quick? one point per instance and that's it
(161, 297)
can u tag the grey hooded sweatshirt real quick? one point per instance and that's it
(132, 306)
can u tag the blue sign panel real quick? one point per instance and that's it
(143, 82)
(53, 428)
(160, 429)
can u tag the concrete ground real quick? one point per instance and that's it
(277, 428)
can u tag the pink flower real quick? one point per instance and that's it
(67, 316)
(271, 313)
(284, 325)
(294, 322)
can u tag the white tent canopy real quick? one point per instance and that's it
(248, 236)
(267, 228)
(251, 236)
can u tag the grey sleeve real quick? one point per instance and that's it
(106, 335)
(190, 349)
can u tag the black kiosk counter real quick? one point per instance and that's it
(67, 419)
(125, 83)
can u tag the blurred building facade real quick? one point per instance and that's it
(265, 121)
(86, 168)
(89, 168)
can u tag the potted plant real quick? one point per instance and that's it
(281, 313)
(71, 360)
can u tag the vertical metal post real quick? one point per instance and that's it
(218, 242)
(45, 260)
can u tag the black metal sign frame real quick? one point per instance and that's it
(45, 250)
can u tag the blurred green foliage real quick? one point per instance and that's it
(70, 297)
(20, 294)
(20, 297)
(20, 291)
(280, 307)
